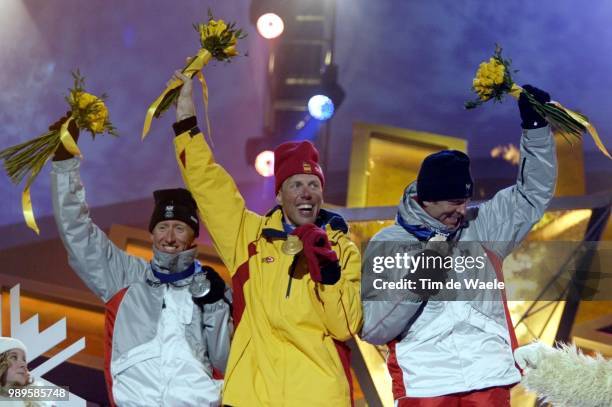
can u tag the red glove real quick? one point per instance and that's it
(322, 260)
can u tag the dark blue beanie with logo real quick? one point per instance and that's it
(175, 204)
(444, 176)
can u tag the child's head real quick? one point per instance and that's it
(13, 364)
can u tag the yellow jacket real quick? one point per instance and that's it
(287, 345)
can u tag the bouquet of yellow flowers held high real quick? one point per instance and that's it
(217, 40)
(493, 81)
(87, 112)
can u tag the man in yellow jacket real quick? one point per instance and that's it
(295, 275)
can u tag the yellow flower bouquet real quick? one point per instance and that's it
(493, 81)
(217, 40)
(88, 112)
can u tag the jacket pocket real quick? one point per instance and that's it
(480, 320)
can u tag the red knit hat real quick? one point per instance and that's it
(293, 158)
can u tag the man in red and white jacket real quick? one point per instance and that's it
(168, 321)
(452, 353)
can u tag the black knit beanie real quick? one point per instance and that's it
(444, 176)
(175, 204)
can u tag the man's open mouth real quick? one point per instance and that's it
(305, 209)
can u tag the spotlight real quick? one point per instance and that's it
(328, 97)
(270, 25)
(320, 107)
(264, 163)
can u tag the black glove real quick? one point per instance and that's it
(531, 118)
(217, 288)
(61, 153)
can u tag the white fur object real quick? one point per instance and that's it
(530, 355)
(565, 377)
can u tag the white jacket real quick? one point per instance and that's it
(445, 347)
(160, 347)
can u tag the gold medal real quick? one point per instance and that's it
(293, 245)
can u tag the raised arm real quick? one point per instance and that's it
(507, 218)
(231, 225)
(103, 267)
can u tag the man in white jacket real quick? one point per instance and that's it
(168, 322)
(448, 352)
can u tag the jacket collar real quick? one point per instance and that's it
(410, 215)
(167, 263)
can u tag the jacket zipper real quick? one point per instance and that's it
(291, 273)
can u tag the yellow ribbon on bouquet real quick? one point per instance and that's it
(26, 199)
(194, 68)
(516, 90)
